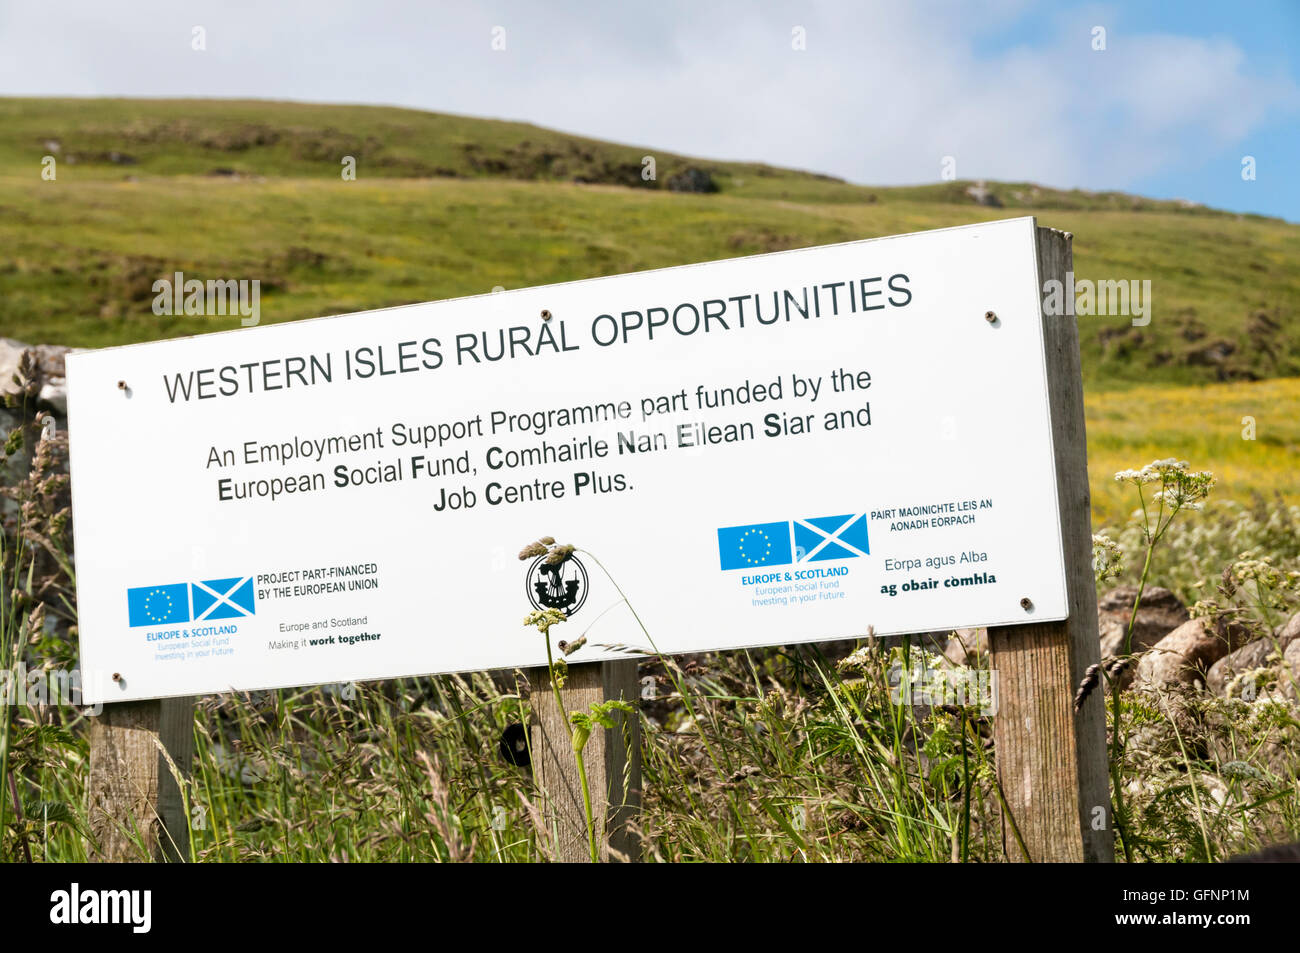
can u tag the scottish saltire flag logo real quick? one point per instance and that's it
(232, 598)
(794, 541)
(222, 598)
(830, 537)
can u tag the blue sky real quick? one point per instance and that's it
(880, 92)
(1267, 32)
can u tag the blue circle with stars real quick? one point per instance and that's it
(162, 605)
(759, 549)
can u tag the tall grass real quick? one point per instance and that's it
(766, 755)
(784, 759)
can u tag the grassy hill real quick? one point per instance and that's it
(447, 205)
(227, 138)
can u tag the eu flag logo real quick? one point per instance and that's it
(762, 544)
(191, 601)
(795, 541)
(159, 605)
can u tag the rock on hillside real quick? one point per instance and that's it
(1291, 672)
(1186, 654)
(49, 359)
(968, 647)
(1252, 656)
(1159, 614)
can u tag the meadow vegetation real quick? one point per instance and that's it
(772, 755)
(250, 190)
(784, 754)
(439, 209)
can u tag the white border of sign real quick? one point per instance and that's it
(96, 371)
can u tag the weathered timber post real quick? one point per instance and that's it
(1051, 762)
(132, 796)
(612, 759)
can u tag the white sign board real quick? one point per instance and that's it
(766, 450)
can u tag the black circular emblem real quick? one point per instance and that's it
(514, 745)
(562, 586)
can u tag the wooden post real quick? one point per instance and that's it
(613, 778)
(1051, 762)
(132, 795)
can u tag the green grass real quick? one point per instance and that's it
(80, 253)
(79, 263)
(1204, 425)
(770, 755)
(109, 137)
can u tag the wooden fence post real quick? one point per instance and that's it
(132, 796)
(612, 759)
(1051, 762)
